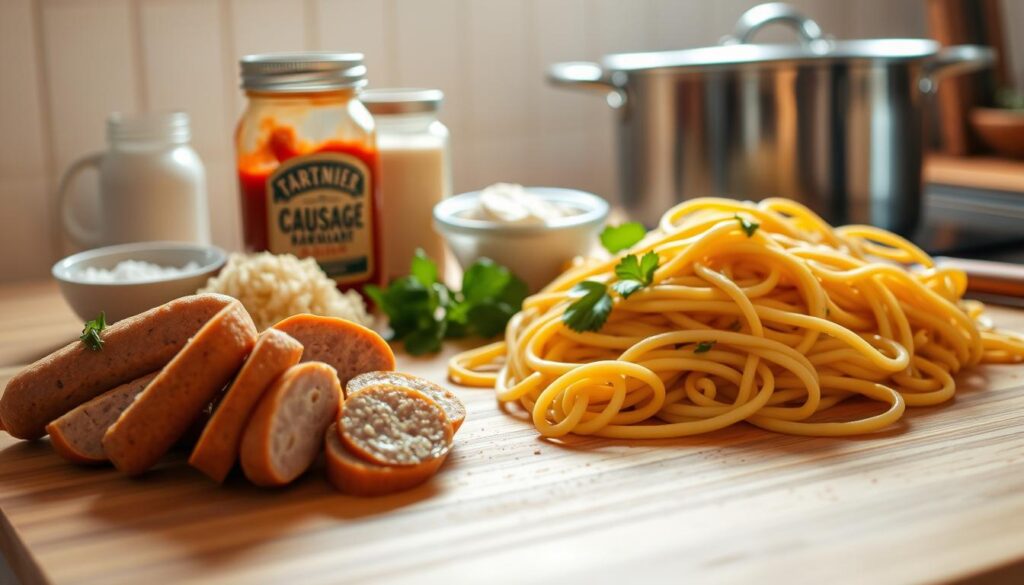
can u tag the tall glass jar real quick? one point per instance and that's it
(415, 171)
(308, 165)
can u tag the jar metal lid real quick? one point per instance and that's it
(302, 72)
(393, 101)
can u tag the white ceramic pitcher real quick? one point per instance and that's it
(152, 184)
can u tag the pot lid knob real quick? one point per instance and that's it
(753, 19)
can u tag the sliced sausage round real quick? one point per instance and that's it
(355, 476)
(162, 413)
(453, 408)
(78, 434)
(217, 449)
(393, 425)
(286, 431)
(350, 348)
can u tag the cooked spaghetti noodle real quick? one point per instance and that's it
(776, 328)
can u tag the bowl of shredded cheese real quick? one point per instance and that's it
(128, 279)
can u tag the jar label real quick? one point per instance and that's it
(319, 205)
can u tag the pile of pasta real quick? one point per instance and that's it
(791, 321)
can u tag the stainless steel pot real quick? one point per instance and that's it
(836, 125)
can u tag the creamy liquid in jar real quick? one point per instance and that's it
(415, 172)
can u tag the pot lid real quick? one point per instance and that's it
(738, 48)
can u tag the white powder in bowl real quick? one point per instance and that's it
(273, 287)
(132, 271)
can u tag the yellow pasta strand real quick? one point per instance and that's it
(800, 319)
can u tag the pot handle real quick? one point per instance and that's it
(955, 60)
(754, 19)
(589, 76)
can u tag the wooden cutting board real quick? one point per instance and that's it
(940, 497)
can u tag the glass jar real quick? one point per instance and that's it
(308, 164)
(415, 171)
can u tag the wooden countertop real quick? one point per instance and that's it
(940, 497)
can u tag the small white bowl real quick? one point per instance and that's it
(124, 299)
(534, 253)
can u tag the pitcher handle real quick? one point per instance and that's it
(75, 231)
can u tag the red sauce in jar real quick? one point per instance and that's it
(281, 148)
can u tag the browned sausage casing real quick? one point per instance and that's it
(164, 410)
(75, 374)
(349, 348)
(78, 434)
(217, 448)
(286, 431)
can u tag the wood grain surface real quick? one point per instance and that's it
(939, 497)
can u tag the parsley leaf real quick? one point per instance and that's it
(423, 312)
(749, 227)
(703, 347)
(423, 268)
(618, 238)
(590, 311)
(635, 274)
(91, 332)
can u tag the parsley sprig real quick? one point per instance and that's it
(704, 347)
(91, 332)
(749, 227)
(422, 311)
(618, 238)
(590, 311)
(635, 274)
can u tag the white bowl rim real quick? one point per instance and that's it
(62, 270)
(595, 210)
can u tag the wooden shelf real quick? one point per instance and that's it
(979, 172)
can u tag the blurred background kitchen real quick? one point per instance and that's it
(67, 63)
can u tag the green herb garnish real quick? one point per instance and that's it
(590, 311)
(735, 325)
(91, 332)
(618, 238)
(423, 312)
(749, 227)
(703, 347)
(635, 274)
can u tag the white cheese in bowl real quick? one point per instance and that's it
(513, 204)
(132, 271)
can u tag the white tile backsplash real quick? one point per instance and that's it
(21, 106)
(187, 76)
(358, 25)
(91, 71)
(67, 63)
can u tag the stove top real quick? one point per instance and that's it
(972, 223)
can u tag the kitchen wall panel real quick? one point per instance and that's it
(92, 68)
(358, 25)
(430, 51)
(27, 208)
(187, 75)
(67, 63)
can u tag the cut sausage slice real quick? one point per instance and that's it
(215, 453)
(350, 348)
(448, 401)
(78, 435)
(393, 425)
(75, 374)
(284, 434)
(352, 475)
(163, 411)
